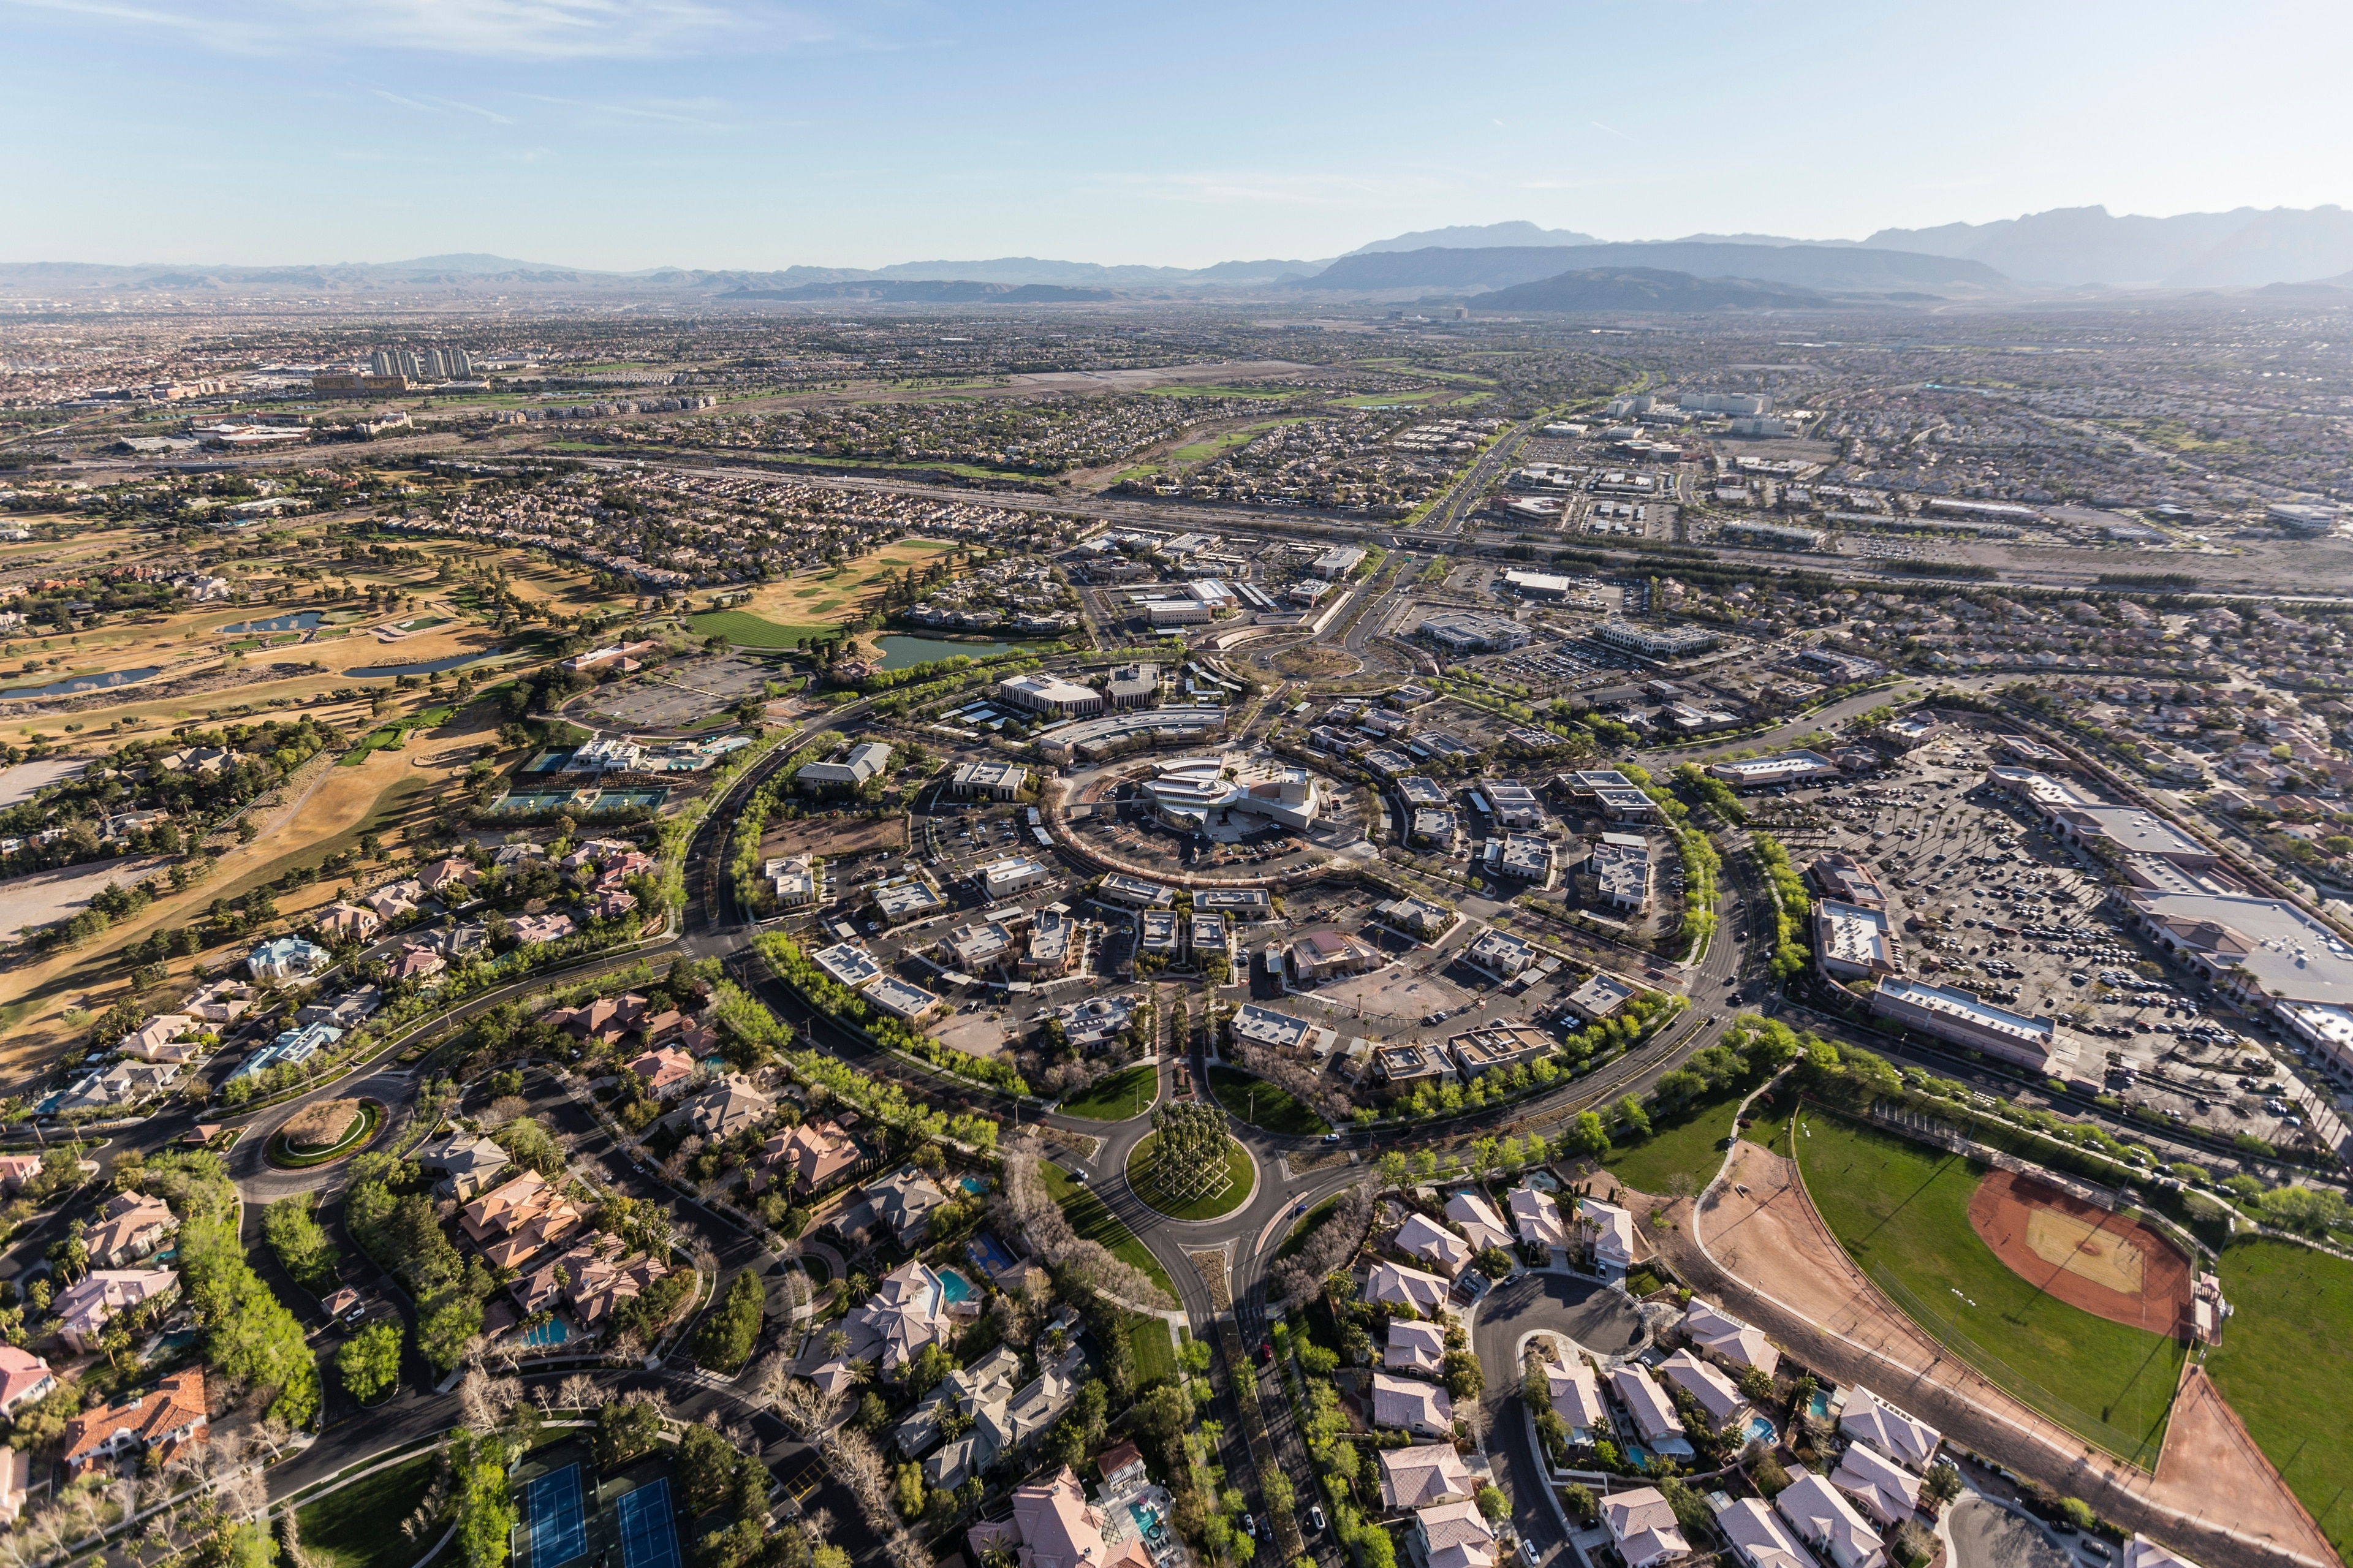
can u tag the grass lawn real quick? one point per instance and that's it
(746, 630)
(1261, 1104)
(1690, 1143)
(359, 1527)
(1306, 1228)
(2285, 1366)
(1092, 1219)
(1119, 1097)
(1237, 1192)
(1156, 1353)
(1901, 1211)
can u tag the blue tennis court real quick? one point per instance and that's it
(559, 1527)
(647, 1537)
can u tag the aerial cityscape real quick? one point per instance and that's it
(1397, 844)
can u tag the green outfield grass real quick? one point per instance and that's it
(1092, 1219)
(1155, 1352)
(2286, 1368)
(1901, 1210)
(1261, 1104)
(359, 1526)
(1118, 1097)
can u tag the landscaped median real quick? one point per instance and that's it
(321, 1133)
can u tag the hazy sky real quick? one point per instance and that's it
(629, 133)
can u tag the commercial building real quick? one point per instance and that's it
(1042, 693)
(1957, 1016)
(1655, 643)
(1855, 943)
(1321, 954)
(1424, 919)
(1600, 996)
(1773, 536)
(1407, 1062)
(1122, 889)
(1522, 857)
(1500, 953)
(1501, 1046)
(1338, 562)
(1619, 798)
(1002, 879)
(1620, 864)
(992, 781)
(1116, 734)
(1473, 631)
(1440, 830)
(2128, 830)
(1846, 880)
(1192, 793)
(1783, 768)
(1511, 802)
(866, 760)
(1133, 686)
(1539, 585)
(2261, 950)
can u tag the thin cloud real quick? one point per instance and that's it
(1612, 130)
(551, 30)
(442, 106)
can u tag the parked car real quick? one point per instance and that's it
(1316, 1516)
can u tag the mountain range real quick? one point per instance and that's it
(1596, 289)
(2291, 252)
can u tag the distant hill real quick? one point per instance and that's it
(1598, 289)
(2246, 247)
(1478, 236)
(1802, 266)
(936, 291)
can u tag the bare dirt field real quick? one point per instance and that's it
(2091, 1259)
(47, 895)
(836, 836)
(975, 1033)
(1768, 1258)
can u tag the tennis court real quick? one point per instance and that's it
(559, 1527)
(647, 1537)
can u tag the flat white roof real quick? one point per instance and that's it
(1953, 1002)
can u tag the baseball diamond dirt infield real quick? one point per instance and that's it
(2095, 1260)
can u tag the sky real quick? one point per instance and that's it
(623, 134)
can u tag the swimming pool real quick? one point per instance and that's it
(1543, 1181)
(1761, 1430)
(955, 1287)
(553, 1331)
(1636, 1456)
(976, 1185)
(1821, 1404)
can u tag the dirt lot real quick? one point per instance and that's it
(2095, 1261)
(835, 838)
(1768, 1258)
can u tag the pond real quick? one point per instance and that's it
(899, 652)
(302, 621)
(435, 667)
(73, 684)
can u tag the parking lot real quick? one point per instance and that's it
(1987, 899)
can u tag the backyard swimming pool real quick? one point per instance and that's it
(956, 1288)
(554, 1331)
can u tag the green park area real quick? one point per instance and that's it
(1263, 1104)
(1685, 1148)
(1901, 1210)
(1091, 1220)
(2286, 1368)
(1122, 1095)
(358, 1526)
(747, 630)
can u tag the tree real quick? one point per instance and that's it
(1587, 1136)
(1943, 1486)
(486, 1515)
(626, 1429)
(1578, 1501)
(909, 1480)
(727, 1336)
(302, 1245)
(369, 1362)
(1391, 1170)
(1494, 1504)
(1631, 1111)
(1465, 1380)
(529, 1145)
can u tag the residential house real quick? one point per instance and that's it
(1819, 1516)
(1422, 1237)
(353, 922)
(809, 1155)
(116, 1085)
(904, 1202)
(1415, 1347)
(542, 928)
(1655, 1421)
(154, 1425)
(989, 1381)
(1882, 1488)
(394, 899)
(1424, 1474)
(16, 1170)
(1716, 1392)
(15, 1480)
(466, 1164)
(1608, 1230)
(1576, 1394)
(284, 960)
(1867, 1419)
(728, 1107)
(1392, 1284)
(1642, 1524)
(1477, 1219)
(448, 878)
(1422, 1408)
(84, 1308)
(604, 1020)
(519, 1219)
(1052, 1527)
(1537, 1216)
(1455, 1535)
(166, 1037)
(222, 1001)
(1122, 1469)
(663, 1072)
(1759, 1538)
(23, 1378)
(415, 964)
(130, 1228)
(908, 1311)
(1726, 1339)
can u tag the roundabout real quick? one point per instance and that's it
(1179, 1170)
(322, 1134)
